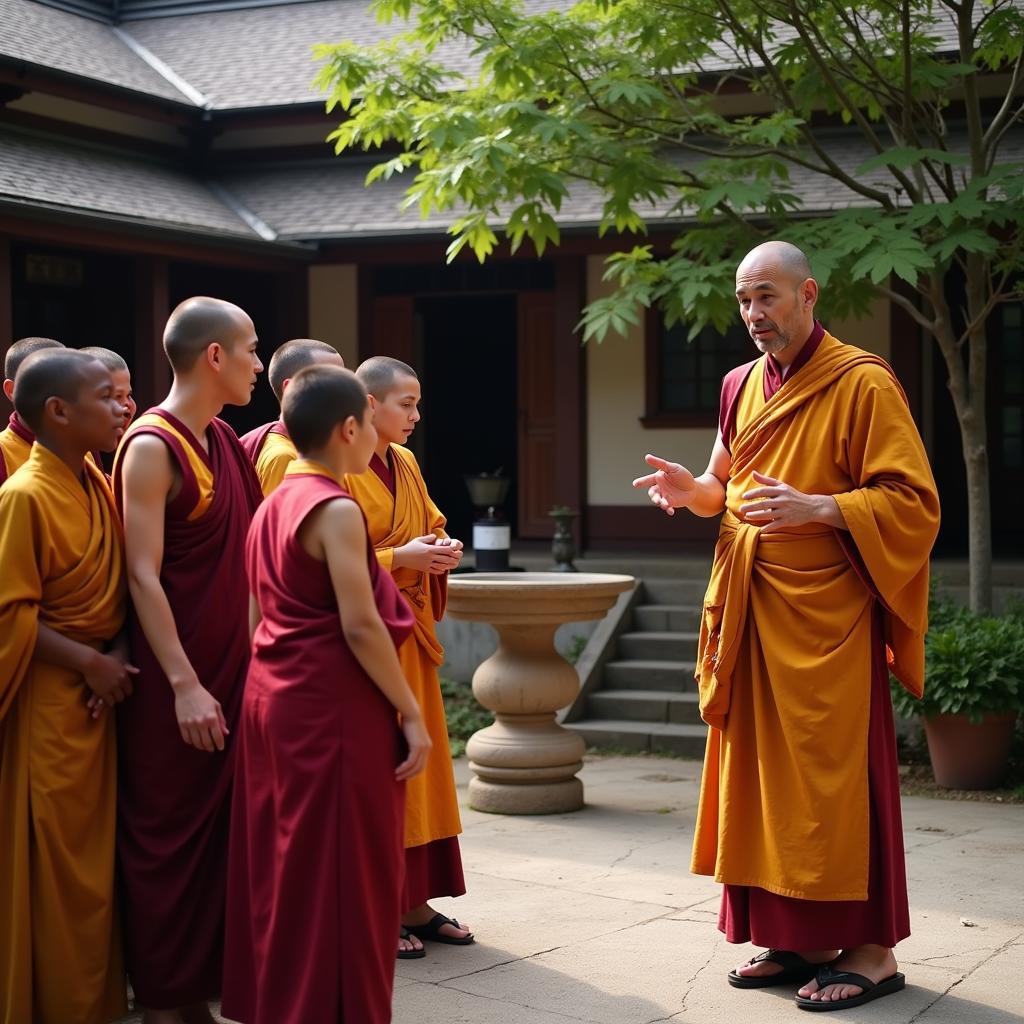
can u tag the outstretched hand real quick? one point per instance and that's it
(671, 486)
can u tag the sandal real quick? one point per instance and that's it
(409, 954)
(431, 931)
(871, 990)
(795, 970)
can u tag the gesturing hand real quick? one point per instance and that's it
(776, 506)
(671, 487)
(200, 717)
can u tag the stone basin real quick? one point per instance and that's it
(526, 763)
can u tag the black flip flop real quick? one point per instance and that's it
(431, 931)
(409, 954)
(871, 990)
(795, 970)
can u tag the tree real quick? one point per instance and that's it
(715, 116)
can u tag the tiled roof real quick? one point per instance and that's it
(78, 46)
(41, 173)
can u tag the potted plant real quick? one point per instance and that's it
(973, 692)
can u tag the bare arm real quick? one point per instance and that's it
(148, 481)
(108, 676)
(673, 486)
(335, 532)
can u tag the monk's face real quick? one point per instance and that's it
(777, 308)
(397, 412)
(238, 363)
(122, 381)
(96, 418)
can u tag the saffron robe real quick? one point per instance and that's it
(432, 809)
(15, 443)
(63, 566)
(785, 654)
(316, 860)
(175, 800)
(271, 452)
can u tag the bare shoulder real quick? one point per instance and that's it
(148, 465)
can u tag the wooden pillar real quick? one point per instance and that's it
(570, 387)
(151, 373)
(292, 304)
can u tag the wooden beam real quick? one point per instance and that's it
(151, 376)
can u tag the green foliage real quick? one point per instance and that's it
(974, 665)
(577, 645)
(499, 113)
(465, 715)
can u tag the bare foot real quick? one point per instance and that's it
(409, 944)
(766, 968)
(161, 1017)
(424, 913)
(874, 962)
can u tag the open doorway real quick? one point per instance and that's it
(466, 349)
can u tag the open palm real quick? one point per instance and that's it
(671, 486)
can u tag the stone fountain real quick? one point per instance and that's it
(526, 763)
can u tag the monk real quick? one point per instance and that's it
(16, 438)
(407, 531)
(122, 378)
(317, 824)
(187, 494)
(819, 588)
(269, 447)
(62, 605)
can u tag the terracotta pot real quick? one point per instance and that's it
(968, 756)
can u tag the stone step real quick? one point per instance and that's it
(645, 706)
(680, 740)
(650, 674)
(682, 617)
(676, 591)
(657, 646)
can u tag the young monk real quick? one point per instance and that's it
(122, 378)
(16, 439)
(407, 531)
(62, 604)
(187, 494)
(269, 447)
(317, 823)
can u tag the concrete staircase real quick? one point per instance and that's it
(640, 693)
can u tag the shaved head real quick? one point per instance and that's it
(21, 350)
(296, 355)
(46, 374)
(781, 255)
(318, 399)
(112, 360)
(195, 325)
(379, 373)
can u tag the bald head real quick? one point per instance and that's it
(198, 323)
(112, 360)
(782, 256)
(21, 350)
(50, 373)
(379, 374)
(296, 355)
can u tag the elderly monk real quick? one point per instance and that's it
(187, 494)
(819, 588)
(16, 438)
(269, 446)
(62, 604)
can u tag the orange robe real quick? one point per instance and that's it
(63, 566)
(784, 665)
(15, 444)
(271, 452)
(432, 808)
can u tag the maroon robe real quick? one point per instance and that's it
(252, 442)
(317, 827)
(751, 914)
(174, 801)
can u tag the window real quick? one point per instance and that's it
(684, 378)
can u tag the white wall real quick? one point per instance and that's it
(334, 308)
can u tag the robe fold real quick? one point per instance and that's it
(174, 800)
(317, 825)
(432, 809)
(271, 452)
(15, 444)
(785, 654)
(63, 566)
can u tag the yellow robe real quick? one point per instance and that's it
(784, 666)
(13, 450)
(431, 803)
(63, 565)
(276, 455)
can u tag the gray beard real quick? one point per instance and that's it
(777, 344)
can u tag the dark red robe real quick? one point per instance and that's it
(750, 914)
(317, 828)
(174, 801)
(253, 441)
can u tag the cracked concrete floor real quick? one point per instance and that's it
(594, 917)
